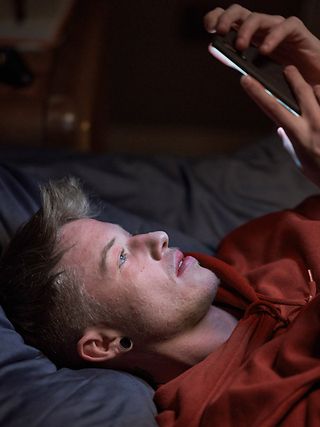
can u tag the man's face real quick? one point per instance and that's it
(153, 292)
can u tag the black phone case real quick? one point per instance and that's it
(261, 67)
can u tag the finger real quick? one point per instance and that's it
(210, 19)
(292, 27)
(231, 18)
(304, 94)
(255, 23)
(271, 107)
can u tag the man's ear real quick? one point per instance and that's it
(99, 344)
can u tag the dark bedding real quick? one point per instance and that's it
(197, 201)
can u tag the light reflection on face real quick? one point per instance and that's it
(153, 291)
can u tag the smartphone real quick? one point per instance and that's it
(250, 61)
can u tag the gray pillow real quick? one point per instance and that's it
(34, 393)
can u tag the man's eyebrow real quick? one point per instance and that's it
(103, 255)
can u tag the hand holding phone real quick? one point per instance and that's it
(261, 67)
(299, 50)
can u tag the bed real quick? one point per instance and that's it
(196, 201)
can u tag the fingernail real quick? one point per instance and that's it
(264, 47)
(289, 68)
(246, 79)
(240, 41)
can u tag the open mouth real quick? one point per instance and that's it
(178, 261)
(182, 262)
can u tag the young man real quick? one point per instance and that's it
(89, 291)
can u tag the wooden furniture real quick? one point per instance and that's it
(58, 107)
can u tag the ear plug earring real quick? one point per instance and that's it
(126, 343)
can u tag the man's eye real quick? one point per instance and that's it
(122, 258)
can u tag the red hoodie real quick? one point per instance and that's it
(268, 372)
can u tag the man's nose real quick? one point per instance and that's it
(155, 243)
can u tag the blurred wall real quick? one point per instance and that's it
(134, 76)
(161, 84)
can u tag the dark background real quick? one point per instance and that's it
(137, 78)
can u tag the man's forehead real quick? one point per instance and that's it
(84, 228)
(79, 237)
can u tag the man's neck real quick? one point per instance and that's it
(165, 360)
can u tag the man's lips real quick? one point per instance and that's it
(178, 260)
(182, 262)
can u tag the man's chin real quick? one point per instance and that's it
(209, 281)
(204, 301)
(215, 285)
